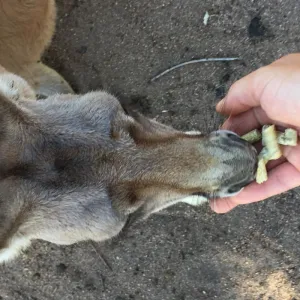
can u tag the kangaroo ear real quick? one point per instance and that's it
(145, 130)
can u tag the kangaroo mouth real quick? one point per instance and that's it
(201, 194)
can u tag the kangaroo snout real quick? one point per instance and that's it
(237, 161)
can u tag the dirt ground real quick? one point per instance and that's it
(183, 253)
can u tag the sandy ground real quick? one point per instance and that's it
(182, 253)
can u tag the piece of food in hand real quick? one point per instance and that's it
(252, 136)
(261, 173)
(269, 140)
(288, 138)
(264, 154)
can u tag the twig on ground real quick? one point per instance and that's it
(194, 61)
(100, 255)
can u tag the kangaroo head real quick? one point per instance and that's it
(68, 140)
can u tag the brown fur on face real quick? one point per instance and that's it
(76, 167)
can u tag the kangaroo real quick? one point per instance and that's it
(80, 167)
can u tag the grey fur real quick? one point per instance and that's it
(76, 167)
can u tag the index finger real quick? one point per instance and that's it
(254, 118)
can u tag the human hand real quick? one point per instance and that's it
(270, 95)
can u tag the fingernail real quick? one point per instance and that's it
(220, 105)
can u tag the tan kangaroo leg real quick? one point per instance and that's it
(44, 80)
(26, 29)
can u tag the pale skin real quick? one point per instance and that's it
(270, 95)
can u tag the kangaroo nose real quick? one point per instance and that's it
(231, 139)
(240, 158)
